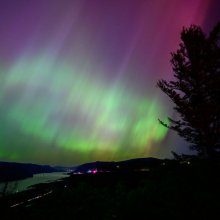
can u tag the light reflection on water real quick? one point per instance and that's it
(37, 178)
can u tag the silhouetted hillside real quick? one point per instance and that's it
(17, 171)
(8, 173)
(136, 163)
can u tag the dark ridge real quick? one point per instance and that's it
(16, 171)
(101, 165)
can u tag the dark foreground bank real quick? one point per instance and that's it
(183, 193)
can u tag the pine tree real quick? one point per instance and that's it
(196, 93)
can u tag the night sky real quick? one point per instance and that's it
(78, 77)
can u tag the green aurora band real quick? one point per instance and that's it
(55, 103)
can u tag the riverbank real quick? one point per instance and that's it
(19, 200)
(12, 171)
(28, 183)
(164, 193)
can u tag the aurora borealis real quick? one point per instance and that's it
(78, 77)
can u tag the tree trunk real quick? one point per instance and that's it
(213, 164)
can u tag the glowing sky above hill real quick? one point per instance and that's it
(78, 77)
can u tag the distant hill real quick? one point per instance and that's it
(140, 159)
(8, 173)
(64, 169)
(88, 166)
(111, 165)
(16, 171)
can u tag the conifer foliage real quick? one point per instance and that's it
(196, 92)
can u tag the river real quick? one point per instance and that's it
(37, 178)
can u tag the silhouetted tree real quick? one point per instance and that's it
(3, 193)
(196, 93)
(8, 190)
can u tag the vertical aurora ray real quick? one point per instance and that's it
(77, 112)
(78, 82)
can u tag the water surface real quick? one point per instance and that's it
(37, 178)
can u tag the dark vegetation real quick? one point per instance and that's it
(196, 92)
(171, 191)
